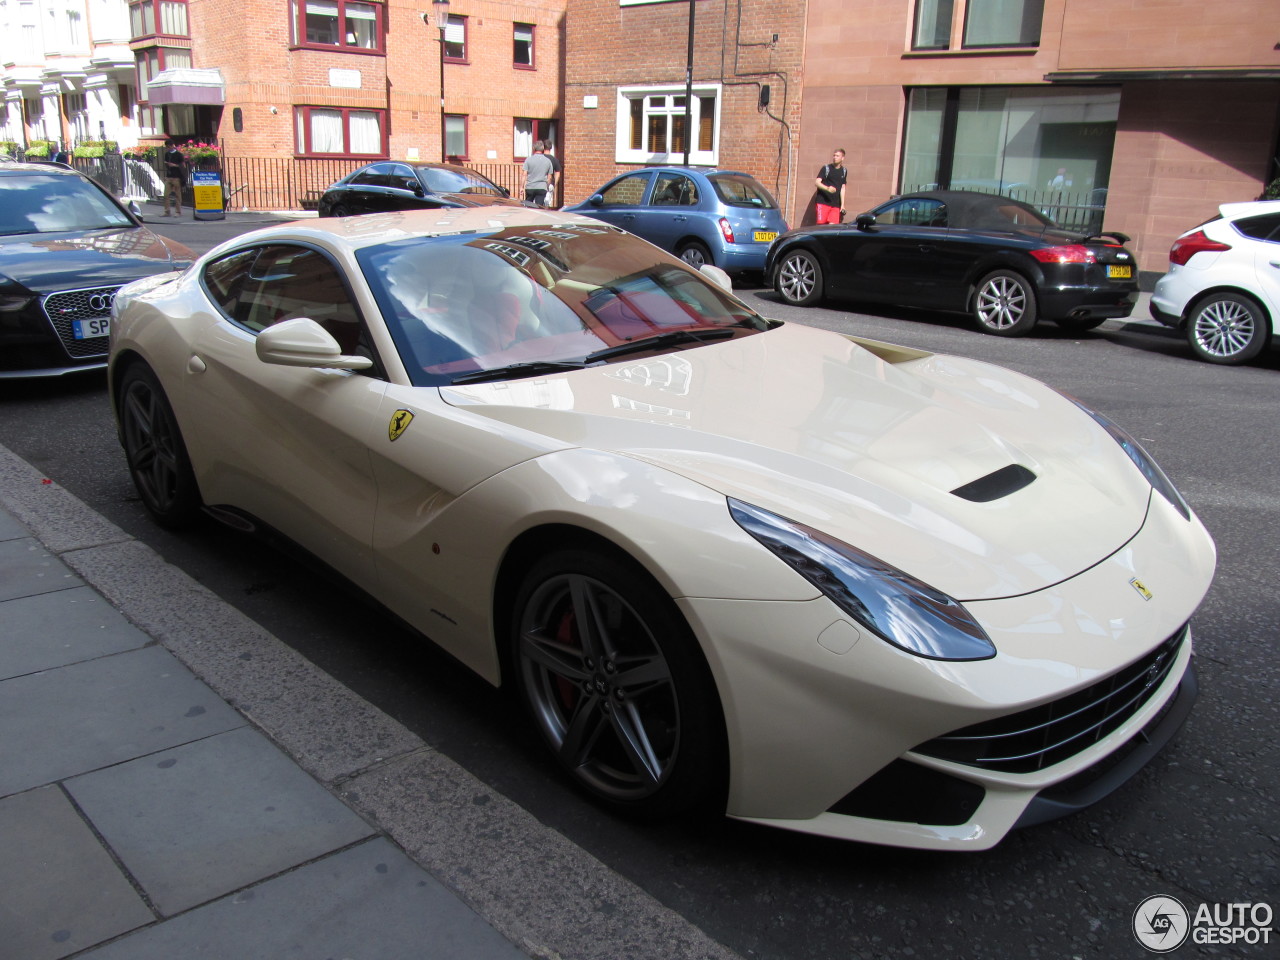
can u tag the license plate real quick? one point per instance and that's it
(1119, 273)
(765, 236)
(97, 327)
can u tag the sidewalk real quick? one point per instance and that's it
(176, 782)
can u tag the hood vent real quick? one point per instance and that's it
(993, 486)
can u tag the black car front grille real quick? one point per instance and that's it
(1042, 736)
(65, 307)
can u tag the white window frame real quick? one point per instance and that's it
(623, 153)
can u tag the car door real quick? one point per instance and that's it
(669, 215)
(369, 190)
(404, 189)
(1265, 229)
(896, 259)
(287, 444)
(623, 200)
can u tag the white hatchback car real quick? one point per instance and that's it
(1223, 284)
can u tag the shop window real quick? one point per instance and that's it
(335, 131)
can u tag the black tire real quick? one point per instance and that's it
(1227, 328)
(154, 450)
(798, 279)
(1079, 324)
(695, 254)
(339, 210)
(1004, 304)
(628, 708)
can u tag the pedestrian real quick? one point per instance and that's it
(62, 156)
(174, 167)
(538, 171)
(555, 173)
(830, 183)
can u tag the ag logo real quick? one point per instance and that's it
(1161, 924)
(400, 421)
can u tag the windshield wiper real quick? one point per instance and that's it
(514, 371)
(659, 340)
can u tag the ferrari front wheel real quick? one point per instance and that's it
(617, 686)
(154, 450)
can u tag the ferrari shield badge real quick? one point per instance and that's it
(1141, 588)
(400, 421)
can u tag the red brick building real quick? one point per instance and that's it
(625, 86)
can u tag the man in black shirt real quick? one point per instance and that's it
(830, 184)
(174, 166)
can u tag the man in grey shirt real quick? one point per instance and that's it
(538, 169)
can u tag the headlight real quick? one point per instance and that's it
(1150, 469)
(893, 605)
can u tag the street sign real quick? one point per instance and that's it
(206, 191)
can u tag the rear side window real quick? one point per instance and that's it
(627, 192)
(739, 191)
(1265, 227)
(914, 212)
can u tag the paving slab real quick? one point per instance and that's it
(370, 901)
(77, 718)
(62, 892)
(27, 568)
(198, 821)
(10, 528)
(55, 629)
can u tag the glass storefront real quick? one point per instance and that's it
(1049, 146)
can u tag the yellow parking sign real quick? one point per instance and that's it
(206, 192)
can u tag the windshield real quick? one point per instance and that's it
(445, 180)
(52, 203)
(738, 190)
(537, 296)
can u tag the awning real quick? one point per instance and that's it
(186, 85)
(1122, 76)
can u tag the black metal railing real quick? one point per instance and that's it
(1080, 210)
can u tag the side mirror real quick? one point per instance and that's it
(714, 273)
(597, 199)
(302, 342)
(505, 192)
(417, 190)
(865, 221)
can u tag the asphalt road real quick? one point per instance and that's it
(1201, 823)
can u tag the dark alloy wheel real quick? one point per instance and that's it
(1005, 304)
(695, 254)
(1227, 328)
(153, 447)
(799, 279)
(339, 210)
(617, 686)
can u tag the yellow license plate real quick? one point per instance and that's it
(765, 236)
(1119, 273)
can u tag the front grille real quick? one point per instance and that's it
(69, 305)
(1042, 736)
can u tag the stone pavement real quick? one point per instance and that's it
(176, 782)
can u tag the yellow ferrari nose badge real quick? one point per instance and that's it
(1141, 588)
(400, 421)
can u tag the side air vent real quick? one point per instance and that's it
(993, 486)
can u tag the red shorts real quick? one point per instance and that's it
(828, 214)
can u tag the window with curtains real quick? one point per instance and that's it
(987, 23)
(167, 18)
(345, 24)
(522, 56)
(455, 39)
(652, 120)
(528, 130)
(340, 131)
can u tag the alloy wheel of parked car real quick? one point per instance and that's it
(153, 447)
(1227, 328)
(799, 279)
(695, 254)
(1005, 304)
(616, 684)
(339, 210)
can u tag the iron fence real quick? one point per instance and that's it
(1078, 210)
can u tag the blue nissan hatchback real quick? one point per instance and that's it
(722, 217)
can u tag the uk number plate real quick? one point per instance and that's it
(97, 327)
(1119, 273)
(765, 236)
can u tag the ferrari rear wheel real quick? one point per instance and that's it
(1005, 304)
(1227, 328)
(154, 450)
(799, 279)
(617, 686)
